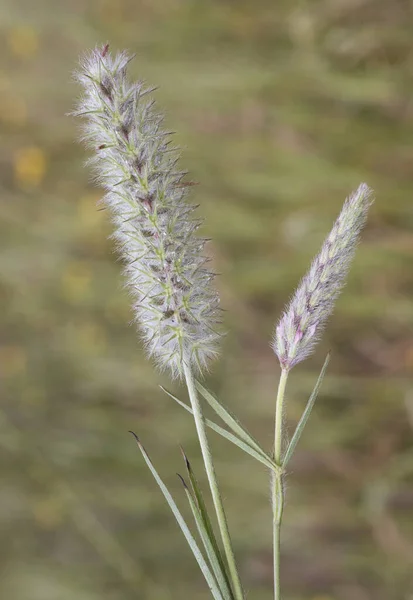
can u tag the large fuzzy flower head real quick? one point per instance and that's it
(302, 323)
(175, 305)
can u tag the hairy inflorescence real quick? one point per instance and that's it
(175, 304)
(302, 323)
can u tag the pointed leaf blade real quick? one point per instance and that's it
(261, 457)
(182, 524)
(199, 499)
(229, 419)
(307, 411)
(208, 545)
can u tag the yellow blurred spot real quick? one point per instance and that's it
(33, 396)
(23, 41)
(118, 310)
(39, 470)
(408, 358)
(90, 214)
(30, 166)
(76, 281)
(12, 360)
(242, 24)
(13, 110)
(48, 512)
(5, 84)
(111, 10)
(91, 338)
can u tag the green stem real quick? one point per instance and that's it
(210, 471)
(277, 487)
(279, 417)
(278, 503)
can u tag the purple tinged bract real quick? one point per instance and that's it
(302, 323)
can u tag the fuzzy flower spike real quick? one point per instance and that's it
(302, 323)
(176, 307)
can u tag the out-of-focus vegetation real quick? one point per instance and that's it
(282, 109)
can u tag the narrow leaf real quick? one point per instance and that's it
(261, 456)
(229, 419)
(307, 411)
(207, 542)
(196, 489)
(182, 524)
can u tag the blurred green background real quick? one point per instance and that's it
(282, 108)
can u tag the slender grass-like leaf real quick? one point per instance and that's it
(196, 489)
(307, 411)
(229, 419)
(182, 524)
(213, 557)
(261, 456)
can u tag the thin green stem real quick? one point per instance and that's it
(277, 483)
(278, 432)
(210, 471)
(278, 504)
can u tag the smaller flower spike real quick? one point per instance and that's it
(302, 323)
(175, 304)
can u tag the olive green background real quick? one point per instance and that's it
(282, 109)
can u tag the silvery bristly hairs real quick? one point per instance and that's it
(175, 304)
(301, 326)
(302, 323)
